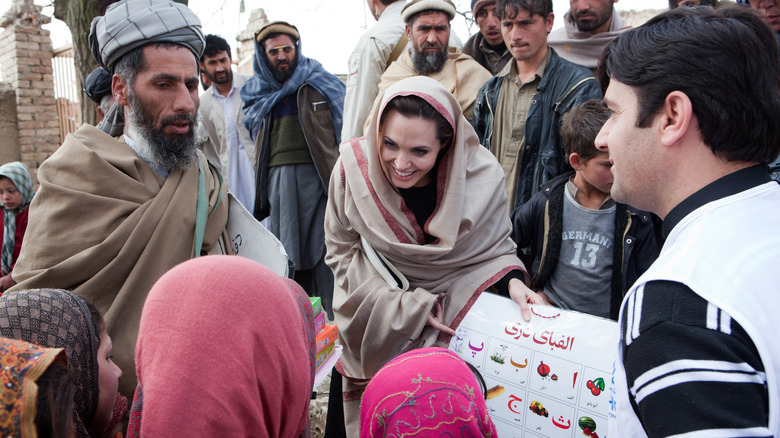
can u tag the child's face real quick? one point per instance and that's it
(596, 172)
(108, 381)
(9, 195)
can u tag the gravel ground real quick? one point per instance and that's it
(318, 409)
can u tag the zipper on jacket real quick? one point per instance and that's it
(305, 138)
(546, 235)
(557, 104)
(489, 138)
(623, 254)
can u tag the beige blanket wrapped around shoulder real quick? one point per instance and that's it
(106, 226)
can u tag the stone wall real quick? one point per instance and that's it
(26, 59)
(9, 149)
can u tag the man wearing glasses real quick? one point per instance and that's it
(293, 110)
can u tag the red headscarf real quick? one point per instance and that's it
(425, 392)
(225, 348)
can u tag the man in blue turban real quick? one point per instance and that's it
(293, 110)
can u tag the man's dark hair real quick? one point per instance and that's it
(724, 60)
(510, 8)
(214, 45)
(677, 3)
(580, 125)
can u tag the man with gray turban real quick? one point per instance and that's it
(115, 213)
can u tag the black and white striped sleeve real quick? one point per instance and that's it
(692, 371)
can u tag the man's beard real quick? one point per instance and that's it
(432, 63)
(281, 76)
(168, 152)
(593, 24)
(228, 78)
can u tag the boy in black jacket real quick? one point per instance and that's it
(587, 250)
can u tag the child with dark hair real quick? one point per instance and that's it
(587, 250)
(16, 193)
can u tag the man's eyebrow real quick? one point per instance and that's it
(165, 77)
(172, 77)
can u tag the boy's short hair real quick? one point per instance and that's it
(580, 125)
(508, 9)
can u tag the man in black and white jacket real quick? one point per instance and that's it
(698, 351)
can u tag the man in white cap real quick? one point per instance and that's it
(428, 29)
(487, 46)
(115, 213)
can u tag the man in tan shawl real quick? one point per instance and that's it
(115, 213)
(428, 29)
(587, 29)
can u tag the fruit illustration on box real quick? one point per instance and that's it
(588, 427)
(538, 409)
(543, 369)
(596, 386)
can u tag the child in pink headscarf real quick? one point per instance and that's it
(225, 348)
(430, 389)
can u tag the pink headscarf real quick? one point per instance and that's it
(425, 392)
(225, 348)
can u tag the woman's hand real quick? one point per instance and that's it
(435, 319)
(522, 295)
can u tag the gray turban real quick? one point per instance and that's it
(130, 24)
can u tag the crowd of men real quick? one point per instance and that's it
(120, 205)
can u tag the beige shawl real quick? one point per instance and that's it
(581, 47)
(461, 75)
(471, 225)
(107, 226)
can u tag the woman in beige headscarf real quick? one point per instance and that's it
(417, 227)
